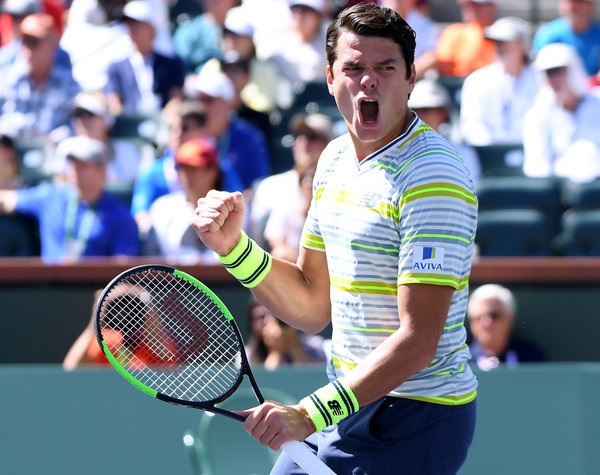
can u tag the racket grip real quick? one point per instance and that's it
(305, 458)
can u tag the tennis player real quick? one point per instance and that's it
(385, 256)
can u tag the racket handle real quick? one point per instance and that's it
(305, 458)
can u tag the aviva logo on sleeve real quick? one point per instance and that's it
(428, 258)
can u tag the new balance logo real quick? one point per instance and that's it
(335, 408)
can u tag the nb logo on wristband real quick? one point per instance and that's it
(335, 408)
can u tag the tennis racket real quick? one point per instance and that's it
(171, 337)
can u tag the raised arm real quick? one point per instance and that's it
(297, 293)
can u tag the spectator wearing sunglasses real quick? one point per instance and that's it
(37, 90)
(492, 311)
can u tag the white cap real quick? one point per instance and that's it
(86, 149)
(238, 21)
(88, 101)
(428, 93)
(21, 7)
(214, 84)
(142, 10)
(320, 124)
(509, 29)
(555, 55)
(318, 5)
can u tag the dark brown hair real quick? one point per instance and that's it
(370, 19)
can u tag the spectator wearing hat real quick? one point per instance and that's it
(77, 218)
(578, 27)
(198, 169)
(431, 102)
(494, 98)
(242, 146)
(36, 90)
(561, 127)
(91, 118)
(263, 92)
(312, 133)
(462, 47)
(199, 39)
(146, 81)
(299, 52)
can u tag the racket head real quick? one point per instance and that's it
(170, 336)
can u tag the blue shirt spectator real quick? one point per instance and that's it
(36, 90)
(577, 28)
(77, 218)
(105, 227)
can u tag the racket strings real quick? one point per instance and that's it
(174, 338)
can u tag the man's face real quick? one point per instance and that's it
(370, 85)
(490, 323)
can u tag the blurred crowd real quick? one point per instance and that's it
(232, 94)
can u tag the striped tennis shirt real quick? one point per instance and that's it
(405, 214)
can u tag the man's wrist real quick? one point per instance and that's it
(247, 262)
(330, 404)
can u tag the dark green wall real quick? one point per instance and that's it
(39, 323)
(535, 419)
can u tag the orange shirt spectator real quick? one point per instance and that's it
(462, 47)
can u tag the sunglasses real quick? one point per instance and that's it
(31, 42)
(555, 71)
(82, 114)
(493, 315)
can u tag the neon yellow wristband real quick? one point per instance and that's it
(330, 404)
(247, 262)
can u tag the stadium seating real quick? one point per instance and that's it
(580, 233)
(501, 159)
(514, 232)
(521, 192)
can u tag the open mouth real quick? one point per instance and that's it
(369, 110)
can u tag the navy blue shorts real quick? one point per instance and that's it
(394, 436)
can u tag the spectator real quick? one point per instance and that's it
(263, 92)
(10, 178)
(77, 218)
(494, 98)
(299, 52)
(415, 12)
(199, 40)
(13, 11)
(561, 132)
(91, 118)
(198, 172)
(237, 69)
(431, 101)
(242, 146)
(128, 343)
(283, 229)
(187, 122)
(492, 314)
(312, 133)
(146, 81)
(85, 350)
(273, 343)
(462, 47)
(36, 90)
(577, 26)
